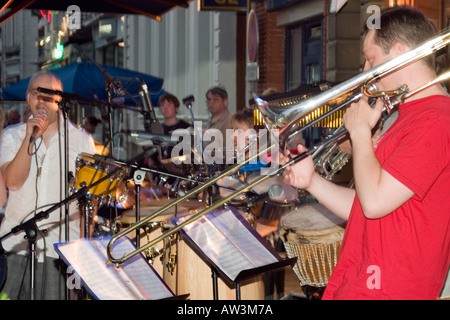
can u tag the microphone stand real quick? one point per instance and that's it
(151, 123)
(187, 101)
(64, 110)
(109, 85)
(63, 105)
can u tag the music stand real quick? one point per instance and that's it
(231, 246)
(135, 279)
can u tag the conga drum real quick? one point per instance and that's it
(312, 234)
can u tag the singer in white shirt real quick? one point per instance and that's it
(32, 160)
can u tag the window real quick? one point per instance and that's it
(304, 54)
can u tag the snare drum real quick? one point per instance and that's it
(313, 235)
(89, 171)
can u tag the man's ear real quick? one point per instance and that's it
(399, 48)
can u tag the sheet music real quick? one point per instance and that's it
(249, 245)
(228, 243)
(135, 279)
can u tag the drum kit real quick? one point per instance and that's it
(273, 209)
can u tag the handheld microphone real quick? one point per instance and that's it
(36, 129)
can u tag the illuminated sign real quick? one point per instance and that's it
(46, 15)
(58, 52)
(224, 5)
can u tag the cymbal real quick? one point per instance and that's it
(126, 195)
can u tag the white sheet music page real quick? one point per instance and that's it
(228, 243)
(135, 279)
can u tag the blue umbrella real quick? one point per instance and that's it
(88, 81)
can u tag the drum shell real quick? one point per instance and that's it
(87, 174)
(88, 171)
(313, 235)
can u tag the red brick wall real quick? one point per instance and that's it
(271, 50)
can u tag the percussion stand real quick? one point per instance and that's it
(87, 205)
(138, 178)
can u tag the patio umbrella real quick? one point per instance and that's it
(89, 81)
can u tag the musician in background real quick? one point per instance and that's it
(90, 125)
(12, 117)
(243, 126)
(32, 162)
(217, 102)
(397, 240)
(169, 105)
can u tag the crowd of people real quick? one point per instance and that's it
(396, 244)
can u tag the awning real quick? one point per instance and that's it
(150, 8)
(88, 81)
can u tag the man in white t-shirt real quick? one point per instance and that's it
(32, 160)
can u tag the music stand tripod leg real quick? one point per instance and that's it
(214, 283)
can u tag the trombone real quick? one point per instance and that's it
(285, 121)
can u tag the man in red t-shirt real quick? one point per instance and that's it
(397, 240)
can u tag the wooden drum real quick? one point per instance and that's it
(193, 276)
(313, 235)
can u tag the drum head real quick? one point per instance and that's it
(311, 223)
